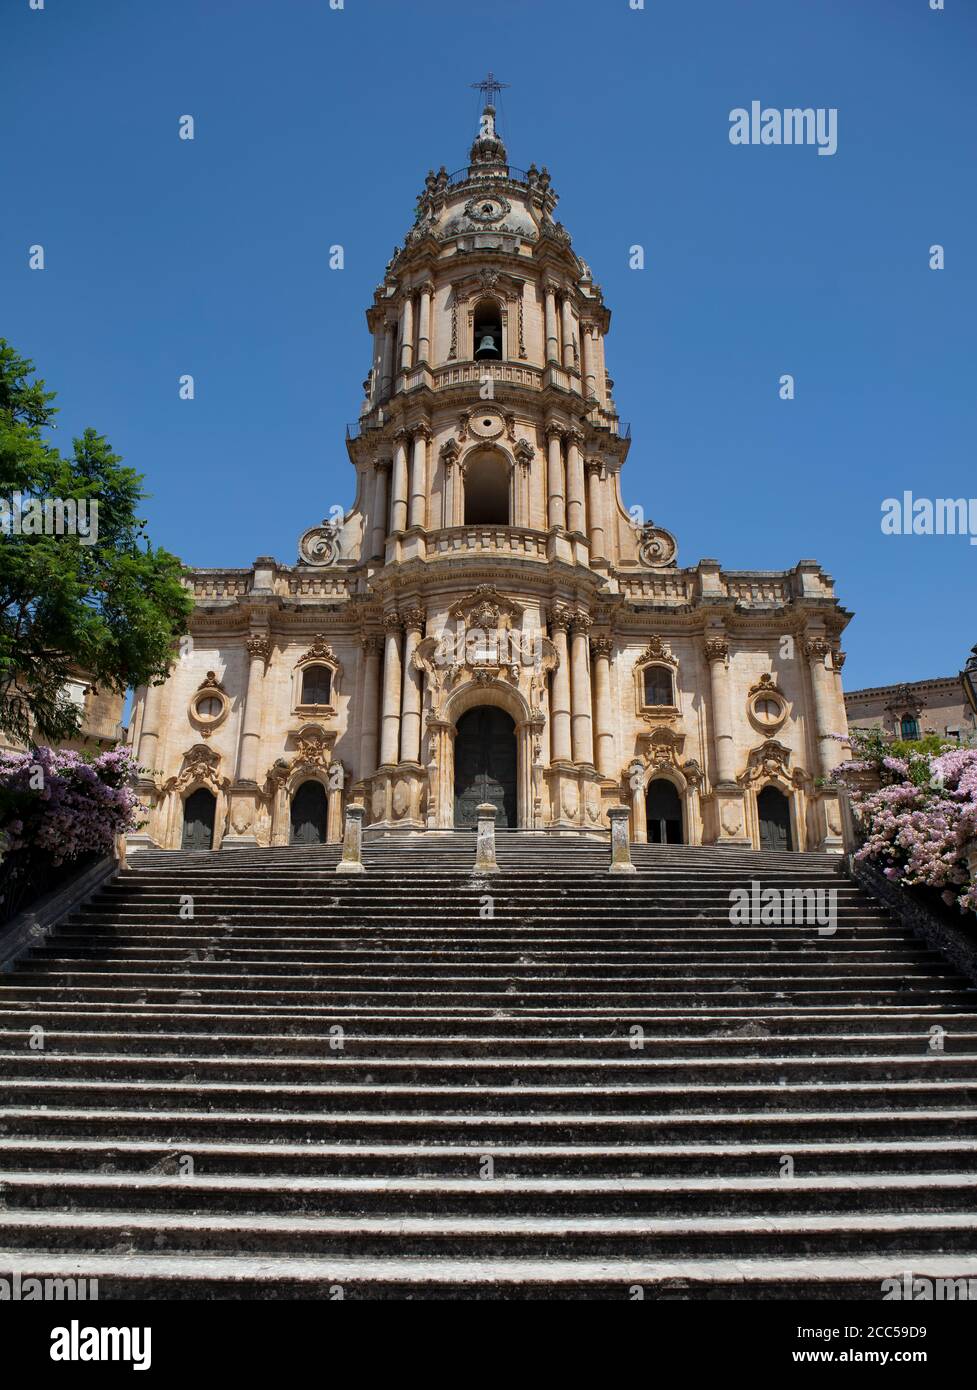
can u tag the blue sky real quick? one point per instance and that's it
(316, 126)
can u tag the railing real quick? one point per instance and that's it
(459, 373)
(232, 584)
(508, 539)
(664, 587)
(513, 173)
(757, 591)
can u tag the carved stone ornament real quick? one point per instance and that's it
(657, 548)
(656, 651)
(771, 759)
(320, 544)
(320, 650)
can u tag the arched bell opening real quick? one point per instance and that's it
(487, 332)
(487, 490)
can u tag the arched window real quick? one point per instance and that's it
(487, 491)
(658, 686)
(487, 323)
(909, 726)
(316, 685)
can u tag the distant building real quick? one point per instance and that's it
(101, 725)
(914, 709)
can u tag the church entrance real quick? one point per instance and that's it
(485, 765)
(664, 813)
(309, 814)
(198, 820)
(773, 812)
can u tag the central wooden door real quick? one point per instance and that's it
(198, 820)
(773, 812)
(485, 765)
(309, 809)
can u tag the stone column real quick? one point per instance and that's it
(569, 361)
(717, 652)
(418, 477)
(560, 621)
(352, 860)
(588, 361)
(595, 512)
(575, 482)
(410, 710)
(554, 478)
(485, 861)
(583, 729)
(604, 720)
(830, 751)
(552, 341)
(398, 507)
(424, 325)
(381, 475)
(259, 649)
(620, 845)
(390, 718)
(387, 375)
(407, 333)
(371, 704)
(601, 367)
(149, 734)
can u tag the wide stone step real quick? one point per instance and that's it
(893, 1158)
(152, 1276)
(753, 1023)
(644, 1097)
(480, 1198)
(599, 1237)
(176, 1127)
(630, 1068)
(465, 1049)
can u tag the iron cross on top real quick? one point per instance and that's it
(490, 86)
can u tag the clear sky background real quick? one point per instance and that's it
(316, 126)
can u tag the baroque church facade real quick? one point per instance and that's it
(488, 622)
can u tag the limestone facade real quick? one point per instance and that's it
(489, 563)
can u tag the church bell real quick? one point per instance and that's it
(489, 346)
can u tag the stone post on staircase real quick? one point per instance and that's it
(485, 861)
(620, 844)
(352, 860)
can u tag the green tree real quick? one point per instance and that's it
(106, 601)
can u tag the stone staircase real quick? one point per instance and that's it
(550, 1083)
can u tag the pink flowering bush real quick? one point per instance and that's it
(58, 805)
(920, 822)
